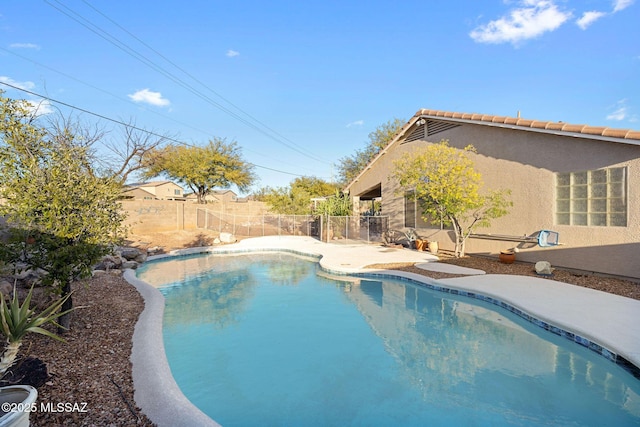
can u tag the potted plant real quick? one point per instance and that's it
(507, 257)
(17, 320)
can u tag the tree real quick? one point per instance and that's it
(130, 152)
(218, 164)
(349, 167)
(296, 199)
(63, 215)
(444, 180)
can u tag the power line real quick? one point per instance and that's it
(129, 125)
(135, 54)
(118, 97)
(187, 73)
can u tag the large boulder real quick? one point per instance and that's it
(133, 254)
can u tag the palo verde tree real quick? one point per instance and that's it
(63, 216)
(218, 164)
(445, 182)
(350, 166)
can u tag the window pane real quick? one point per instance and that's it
(617, 205)
(579, 178)
(598, 219)
(579, 206)
(599, 176)
(596, 198)
(563, 206)
(616, 190)
(616, 175)
(564, 192)
(562, 219)
(618, 220)
(409, 211)
(598, 206)
(579, 192)
(579, 219)
(599, 190)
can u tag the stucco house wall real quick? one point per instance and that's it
(160, 190)
(526, 161)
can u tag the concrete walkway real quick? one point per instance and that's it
(608, 320)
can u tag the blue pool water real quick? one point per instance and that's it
(269, 339)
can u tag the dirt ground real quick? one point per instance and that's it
(92, 368)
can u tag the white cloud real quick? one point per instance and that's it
(356, 123)
(40, 108)
(589, 18)
(532, 19)
(621, 111)
(24, 46)
(149, 97)
(22, 85)
(618, 114)
(231, 53)
(619, 5)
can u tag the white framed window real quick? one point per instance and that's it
(592, 198)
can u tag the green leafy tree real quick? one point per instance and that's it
(350, 166)
(296, 199)
(443, 178)
(63, 216)
(339, 204)
(216, 165)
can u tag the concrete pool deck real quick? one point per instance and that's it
(609, 320)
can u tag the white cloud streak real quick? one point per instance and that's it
(532, 19)
(22, 85)
(622, 112)
(356, 123)
(24, 46)
(38, 107)
(146, 96)
(619, 5)
(231, 53)
(589, 18)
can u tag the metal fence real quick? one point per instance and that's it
(335, 229)
(259, 224)
(344, 229)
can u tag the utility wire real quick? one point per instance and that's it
(119, 97)
(132, 52)
(187, 73)
(129, 125)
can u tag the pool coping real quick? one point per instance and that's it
(160, 398)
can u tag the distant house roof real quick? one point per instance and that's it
(448, 119)
(150, 184)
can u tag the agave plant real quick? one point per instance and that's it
(17, 320)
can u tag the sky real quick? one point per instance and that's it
(300, 85)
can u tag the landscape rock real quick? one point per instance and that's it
(6, 288)
(227, 237)
(544, 268)
(130, 254)
(130, 264)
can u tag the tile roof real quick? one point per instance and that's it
(587, 130)
(627, 136)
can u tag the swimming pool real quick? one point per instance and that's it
(269, 339)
